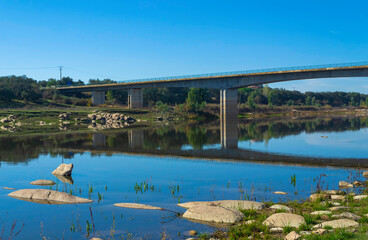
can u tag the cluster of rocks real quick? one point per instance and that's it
(361, 112)
(12, 124)
(64, 116)
(102, 120)
(45, 196)
(9, 119)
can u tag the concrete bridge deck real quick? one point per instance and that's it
(227, 82)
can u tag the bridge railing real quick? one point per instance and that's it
(266, 70)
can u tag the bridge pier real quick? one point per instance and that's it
(98, 97)
(229, 118)
(135, 98)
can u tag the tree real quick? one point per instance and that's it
(251, 101)
(308, 101)
(313, 101)
(196, 99)
(109, 95)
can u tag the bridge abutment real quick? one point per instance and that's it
(229, 118)
(135, 98)
(98, 97)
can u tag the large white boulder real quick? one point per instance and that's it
(284, 219)
(213, 214)
(47, 196)
(64, 170)
(340, 223)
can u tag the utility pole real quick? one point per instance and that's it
(61, 72)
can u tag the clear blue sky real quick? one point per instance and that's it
(137, 39)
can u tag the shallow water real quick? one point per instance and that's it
(177, 164)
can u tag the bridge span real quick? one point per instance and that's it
(227, 82)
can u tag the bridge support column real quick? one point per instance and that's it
(229, 118)
(98, 97)
(135, 98)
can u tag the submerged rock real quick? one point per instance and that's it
(341, 223)
(284, 219)
(137, 206)
(44, 196)
(213, 214)
(43, 182)
(64, 170)
(235, 204)
(280, 193)
(8, 188)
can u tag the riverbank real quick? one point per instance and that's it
(47, 120)
(327, 214)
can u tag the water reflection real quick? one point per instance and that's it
(222, 139)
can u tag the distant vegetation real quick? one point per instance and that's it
(19, 91)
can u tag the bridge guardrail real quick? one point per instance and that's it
(219, 74)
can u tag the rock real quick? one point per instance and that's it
(249, 222)
(350, 216)
(345, 185)
(192, 233)
(293, 236)
(340, 223)
(137, 206)
(47, 196)
(333, 192)
(337, 197)
(358, 184)
(360, 197)
(95, 239)
(65, 179)
(338, 208)
(284, 219)
(365, 174)
(320, 231)
(43, 182)
(335, 203)
(64, 170)
(305, 233)
(315, 196)
(321, 212)
(280, 207)
(213, 214)
(280, 193)
(276, 230)
(9, 188)
(236, 204)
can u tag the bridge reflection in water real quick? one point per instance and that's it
(229, 150)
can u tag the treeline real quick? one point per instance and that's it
(23, 89)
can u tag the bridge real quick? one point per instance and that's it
(226, 82)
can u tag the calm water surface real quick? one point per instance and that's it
(178, 164)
